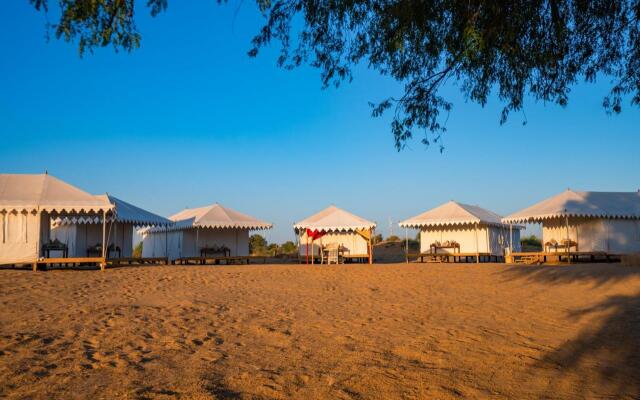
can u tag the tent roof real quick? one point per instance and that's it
(333, 218)
(216, 216)
(45, 192)
(453, 213)
(129, 213)
(581, 204)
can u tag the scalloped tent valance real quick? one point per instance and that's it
(618, 205)
(334, 219)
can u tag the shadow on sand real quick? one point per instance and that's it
(604, 356)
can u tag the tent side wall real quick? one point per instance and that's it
(490, 239)
(595, 234)
(154, 244)
(352, 242)
(19, 237)
(237, 240)
(122, 236)
(516, 245)
(465, 235)
(624, 236)
(78, 237)
(499, 239)
(66, 234)
(90, 236)
(118, 234)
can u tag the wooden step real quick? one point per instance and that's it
(528, 260)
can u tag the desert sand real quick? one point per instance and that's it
(345, 332)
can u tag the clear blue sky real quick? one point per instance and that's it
(189, 119)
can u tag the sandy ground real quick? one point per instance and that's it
(348, 332)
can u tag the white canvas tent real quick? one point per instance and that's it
(81, 232)
(334, 225)
(595, 221)
(27, 204)
(474, 229)
(204, 227)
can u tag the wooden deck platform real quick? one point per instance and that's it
(364, 258)
(542, 257)
(100, 262)
(219, 260)
(69, 262)
(302, 259)
(454, 257)
(119, 262)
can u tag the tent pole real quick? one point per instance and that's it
(197, 240)
(477, 246)
(370, 247)
(300, 244)
(104, 238)
(312, 251)
(166, 242)
(39, 217)
(109, 237)
(566, 219)
(306, 246)
(489, 247)
(115, 235)
(406, 245)
(608, 236)
(510, 238)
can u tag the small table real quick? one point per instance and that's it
(55, 246)
(116, 250)
(94, 250)
(215, 250)
(561, 246)
(434, 248)
(97, 251)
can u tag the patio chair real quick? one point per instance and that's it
(334, 254)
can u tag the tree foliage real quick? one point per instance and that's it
(376, 238)
(537, 48)
(531, 241)
(393, 238)
(288, 247)
(257, 245)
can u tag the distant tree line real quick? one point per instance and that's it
(258, 246)
(530, 243)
